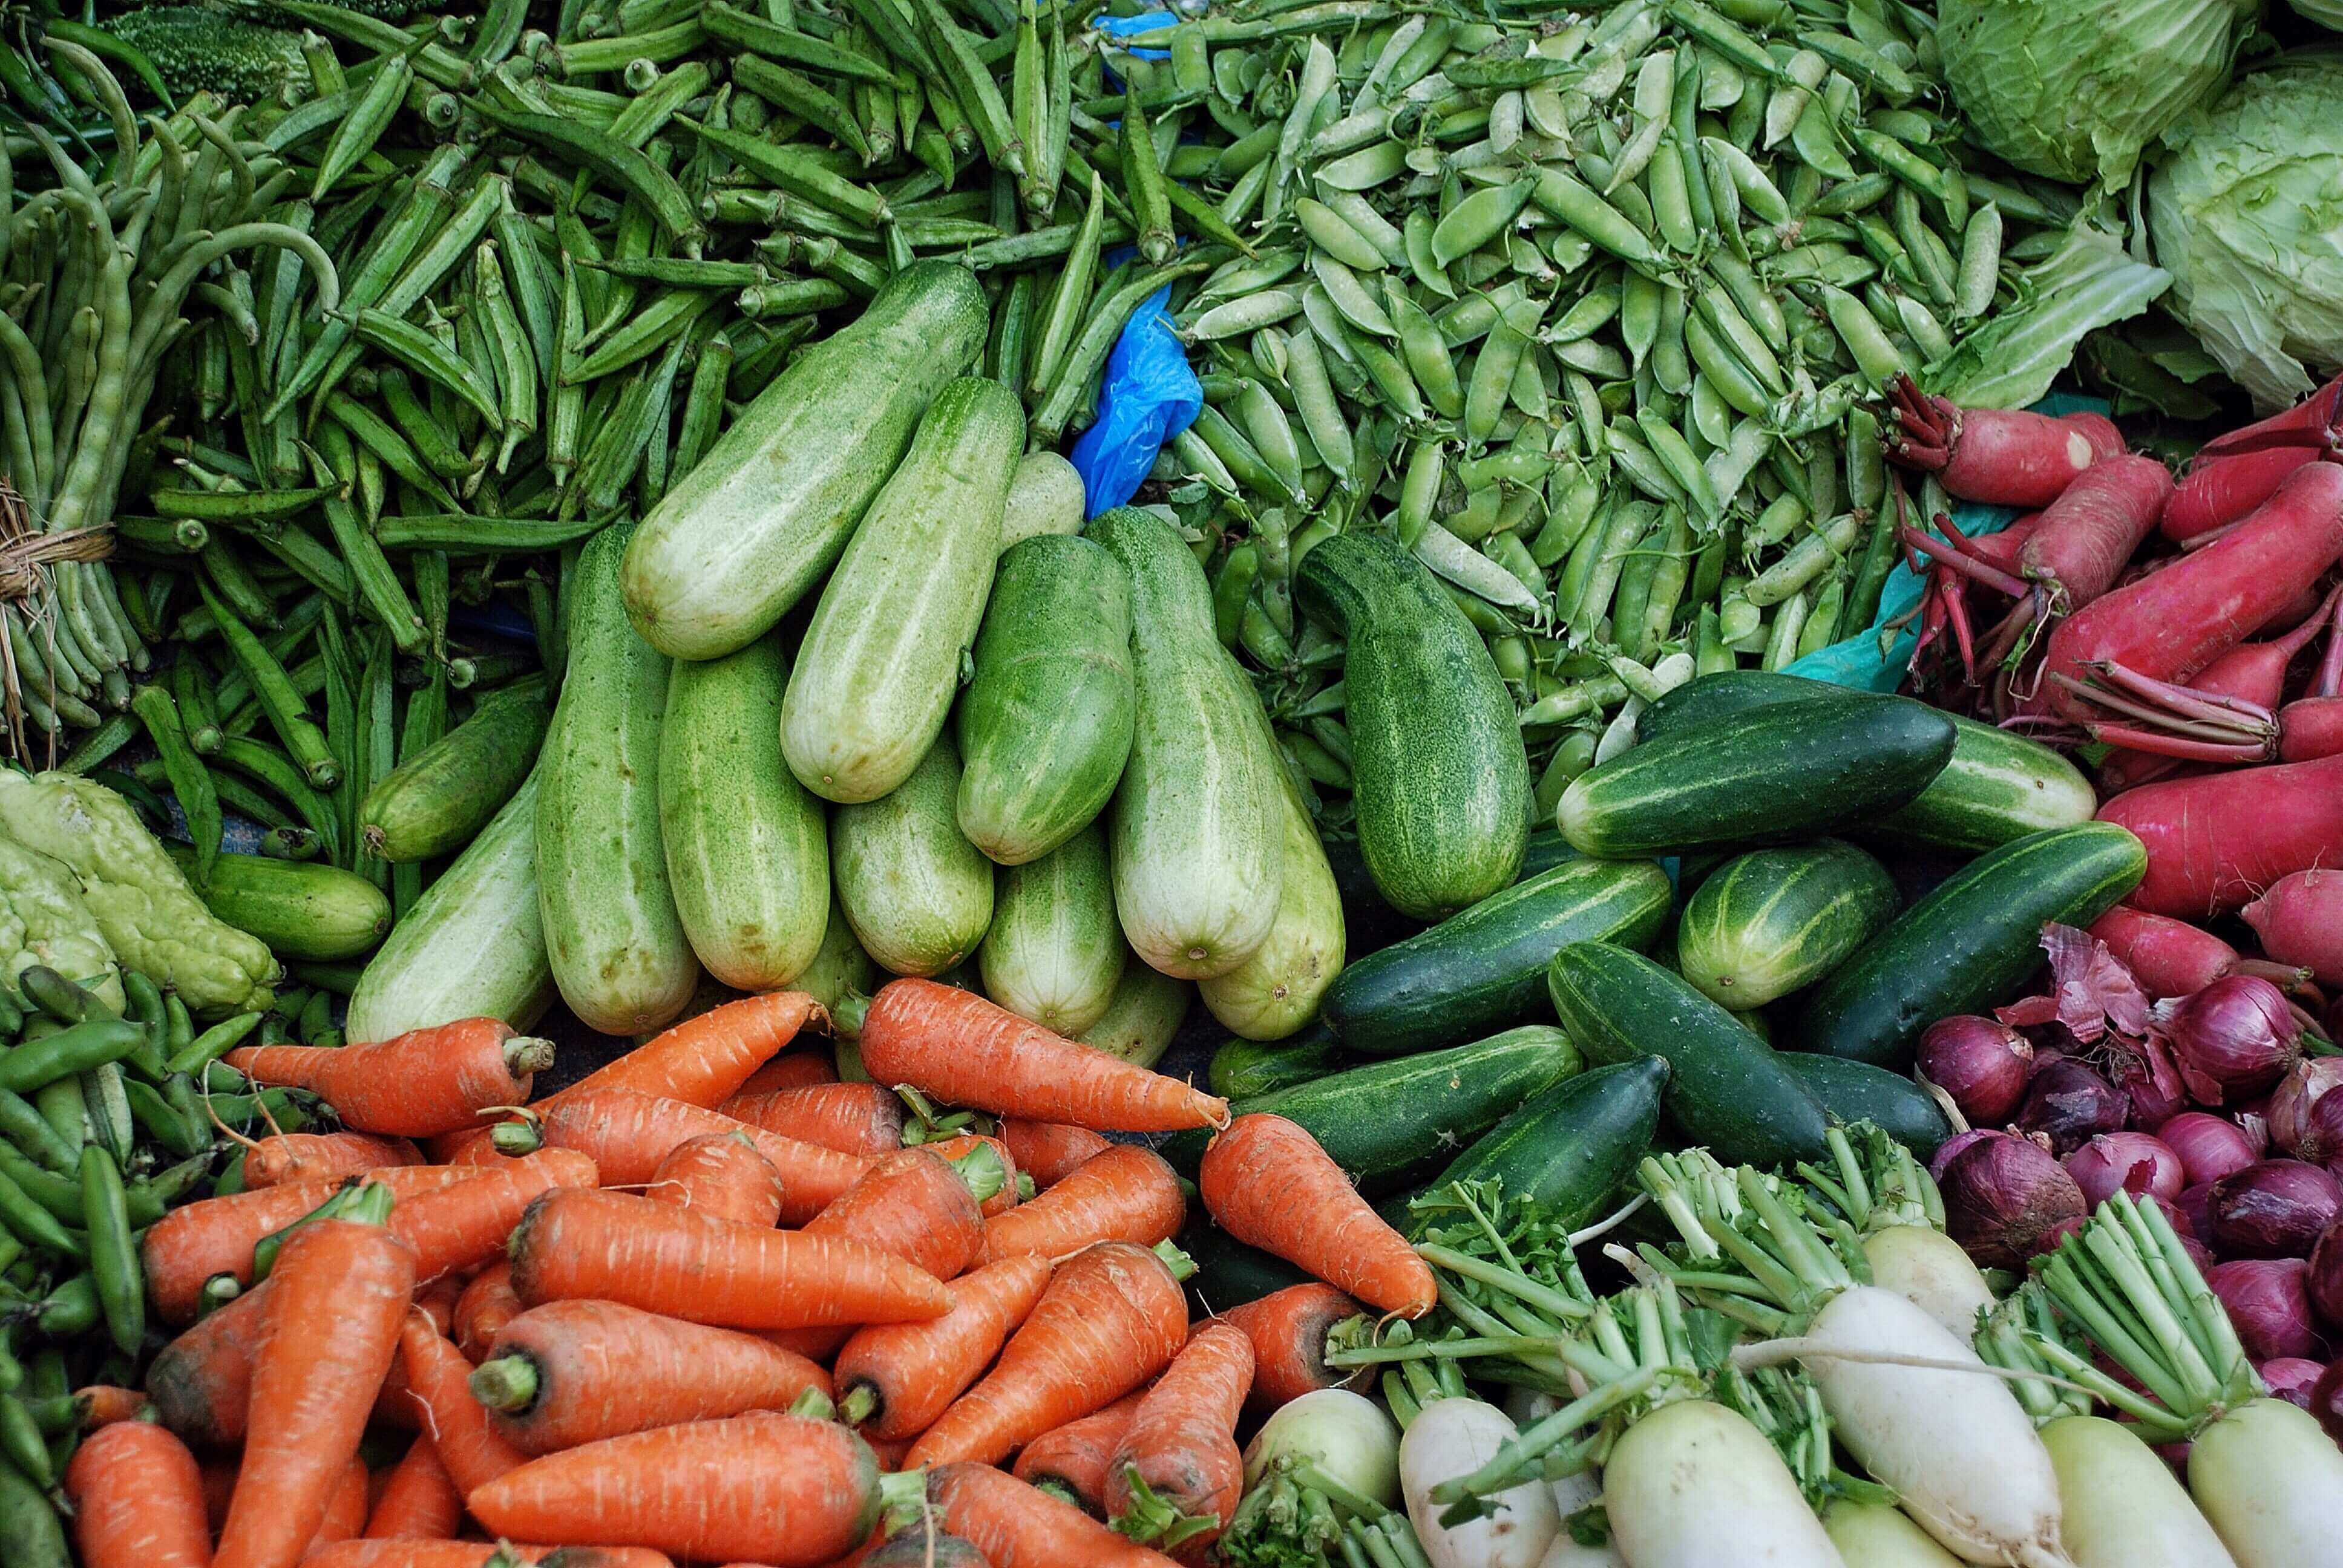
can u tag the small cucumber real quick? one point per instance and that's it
(1726, 1089)
(1485, 968)
(1142, 1017)
(1054, 953)
(918, 894)
(1045, 725)
(302, 909)
(879, 664)
(1858, 1092)
(1775, 920)
(1278, 987)
(1774, 776)
(840, 969)
(1572, 1146)
(617, 946)
(1243, 1067)
(1971, 945)
(434, 801)
(747, 852)
(1045, 498)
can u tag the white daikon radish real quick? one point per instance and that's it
(1874, 1535)
(1928, 1269)
(1571, 1494)
(2124, 1508)
(1455, 1437)
(2271, 1480)
(1696, 1485)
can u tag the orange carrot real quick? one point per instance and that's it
(790, 1069)
(202, 1380)
(1126, 1194)
(1176, 1475)
(1270, 1185)
(102, 1404)
(437, 1299)
(663, 1258)
(1288, 1329)
(423, 1082)
(1049, 1151)
(954, 1145)
(467, 1223)
(216, 1235)
(895, 1379)
(965, 1050)
(1017, 1527)
(219, 1485)
(487, 1305)
(337, 1297)
(346, 1511)
(570, 1372)
(1069, 1461)
(1112, 1318)
(420, 1554)
(420, 1502)
(719, 1174)
(891, 1451)
(628, 1134)
(775, 1488)
(917, 1548)
(138, 1500)
(705, 1059)
(471, 1448)
(854, 1117)
(322, 1157)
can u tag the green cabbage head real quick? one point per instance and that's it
(2247, 213)
(2075, 89)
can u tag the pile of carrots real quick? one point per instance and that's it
(707, 1304)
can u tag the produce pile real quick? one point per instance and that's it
(656, 647)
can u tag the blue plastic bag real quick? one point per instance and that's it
(1130, 26)
(1148, 395)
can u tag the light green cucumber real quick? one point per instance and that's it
(472, 946)
(618, 947)
(1054, 951)
(879, 664)
(1045, 498)
(839, 968)
(748, 849)
(1198, 849)
(1276, 989)
(431, 804)
(760, 519)
(1765, 923)
(303, 910)
(1144, 1013)
(918, 894)
(1045, 725)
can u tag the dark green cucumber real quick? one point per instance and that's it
(1227, 1273)
(1485, 968)
(303, 910)
(1242, 1069)
(1380, 1119)
(1727, 1088)
(1570, 1147)
(1773, 777)
(1727, 694)
(1858, 1092)
(1442, 786)
(1775, 919)
(1547, 849)
(1971, 945)
(434, 802)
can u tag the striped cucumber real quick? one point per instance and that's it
(1045, 498)
(879, 664)
(1045, 725)
(1277, 989)
(302, 909)
(434, 801)
(760, 519)
(1857, 1092)
(1054, 953)
(1145, 1011)
(616, 945)
(747, 852)
(917, 892)
(1241, 1068)
(1572, 1146)
(1772, 921)
(1198, 848)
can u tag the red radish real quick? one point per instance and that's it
(2235, 473)
(2214, 843)
(2300, 919)
(2167, 957)
(1991, 559)
(2087, 534)
(2004, 456)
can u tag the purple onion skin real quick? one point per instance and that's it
(1981, 1062)
(2273, 1209)
(2290, 1378)
(2266, 1300)
(2002, 1195)
(1951, 1148)
(2210, 1147)
(2116, 1161)
(2151, 1107)
(2235, 1038)
(2325, 1282)
(2327, 1398)
(2305, 1114)
(2071, 1105)
(2199, 1252)
(2192, 1212)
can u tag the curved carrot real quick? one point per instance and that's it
(473, 1450)
(419, 1502)
(953, 1146)
(917, 1548)
(628, 1133)
(468, 1223)
(426, 1081)
(322, 1157)
(346, 1510)
(790, 1069)
(778, 1489)
(1270, 1185)
(665, 1259)
(719, 1174)
(103, 1404)
(398, 1553)
(1069, 1461)
(1288, 1329)
(201, 1381)
(1016, 1526)
(337, 1298)
(895, 1379)
(437, 1300)
(487, 1305)
(705, 1059)
(138, 1500)
(1126, 1194)
(1112, 1318)
(854, 1117)
(1176, 1475)
(570, 1372)
(965, 1050)
(1049, 1152)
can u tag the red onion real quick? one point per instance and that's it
(2326, 1282)
(2192, 1212)
(2234, 1038)
(2001, 1194)
(2071, 1103)
(2327, 1398)
(1951, 1148)
(2252, 1117)
(2273, 1209)
(2210, 1147)
(2290, 1378)
(2306, 1118)
(2055, 1236)
(2267, 1302)
(2152, 1105)
(2199, 1252)
(2124, 1162)
(1981, 1062)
